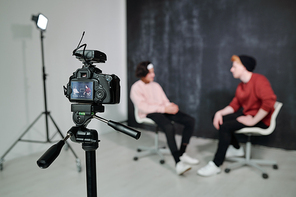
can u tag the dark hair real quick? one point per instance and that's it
(142, 70)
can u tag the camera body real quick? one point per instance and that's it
(89, 85)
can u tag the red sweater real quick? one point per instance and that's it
(253, 95)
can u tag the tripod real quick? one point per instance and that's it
(47, 115)
(82, 115)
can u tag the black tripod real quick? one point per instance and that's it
(82, 115)
(47, 114)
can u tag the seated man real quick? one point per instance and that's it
(255, 95)
(152, 102)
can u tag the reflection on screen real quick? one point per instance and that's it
(82, 90)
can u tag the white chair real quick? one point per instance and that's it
(155, 149)
(256, 131)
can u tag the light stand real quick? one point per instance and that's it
(41, 22)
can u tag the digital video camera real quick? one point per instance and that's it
(88, 84)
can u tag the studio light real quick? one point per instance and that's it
(41, 21)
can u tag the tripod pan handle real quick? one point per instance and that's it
(124, 129)
(50, 155)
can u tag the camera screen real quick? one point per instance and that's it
(82, 90)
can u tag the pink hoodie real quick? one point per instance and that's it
(149, 98)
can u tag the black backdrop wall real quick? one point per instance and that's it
(190, 43)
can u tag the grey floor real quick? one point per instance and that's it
(119, 176)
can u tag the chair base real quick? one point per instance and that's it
(147, 151)
(144, 151)
(239, 162)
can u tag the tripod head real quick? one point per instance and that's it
(82, 115)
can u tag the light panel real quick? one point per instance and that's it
(41, 21)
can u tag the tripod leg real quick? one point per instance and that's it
(2, 158)
(78, 163)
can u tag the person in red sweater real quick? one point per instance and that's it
(152, 103)
(87, 91)
(255, 95)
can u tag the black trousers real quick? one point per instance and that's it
(227, 135)
(164, 121)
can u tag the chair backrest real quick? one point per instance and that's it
(142, 120)
(267, 131)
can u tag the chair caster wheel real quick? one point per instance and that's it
(227, 170)
(78, 168)
(264, 175)
(139, 150)
(275, 167)
(135, 158)
(78, 165)
(161, 161)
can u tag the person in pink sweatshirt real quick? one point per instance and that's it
(255, 95)
(153, 103)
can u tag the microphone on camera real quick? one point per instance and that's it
(78, 46)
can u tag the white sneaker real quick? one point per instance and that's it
(233, 152)
(209, 170)
(182, 167)
(189, 160)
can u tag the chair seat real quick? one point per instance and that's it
(145, 121)
(261, 131)
(256, 131)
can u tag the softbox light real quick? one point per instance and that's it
(41, 21)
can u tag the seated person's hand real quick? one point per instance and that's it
(246, 120)
(218, 120)
(172, 108)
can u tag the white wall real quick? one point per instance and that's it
(21, 97)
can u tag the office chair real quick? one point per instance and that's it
(256, 131)
(155, 149)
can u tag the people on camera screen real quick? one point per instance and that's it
(81, 90)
